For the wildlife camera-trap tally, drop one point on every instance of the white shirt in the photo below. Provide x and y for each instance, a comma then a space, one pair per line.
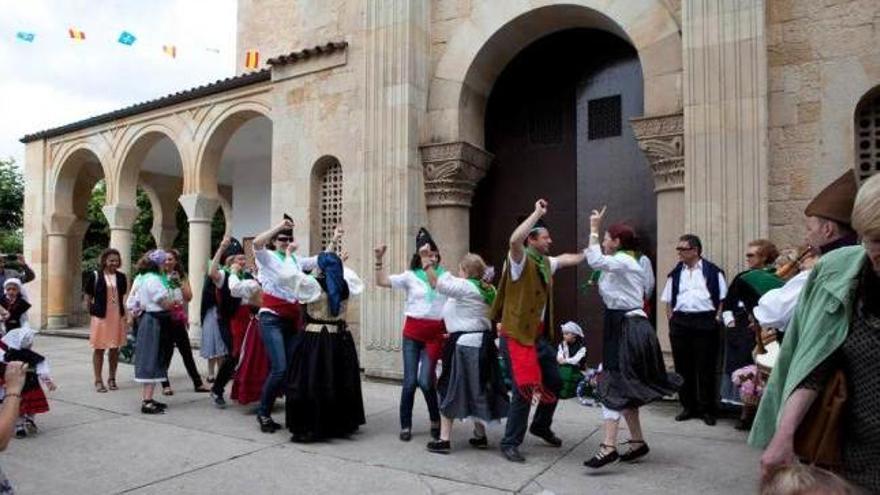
650, 281
148, 290
284, 279
622, 284
465, 309
564, 354
421, 301
693, 294
776, 307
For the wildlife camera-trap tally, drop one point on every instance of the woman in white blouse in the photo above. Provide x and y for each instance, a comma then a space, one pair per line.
423, 333
470, 385
633, 372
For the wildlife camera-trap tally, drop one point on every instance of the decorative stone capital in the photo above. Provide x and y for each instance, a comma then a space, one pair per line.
120, 217
164, 235
199, 208
78, 229
59, 224
661, 139
452, 171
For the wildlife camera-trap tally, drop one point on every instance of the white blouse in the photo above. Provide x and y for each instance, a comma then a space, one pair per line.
622, 282
465, 309
146, 293
564, 353
776, 307
285, 279
421, 301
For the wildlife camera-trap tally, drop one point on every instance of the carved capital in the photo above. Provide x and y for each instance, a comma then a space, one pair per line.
451, 172
120, 217
661, 139
199, 208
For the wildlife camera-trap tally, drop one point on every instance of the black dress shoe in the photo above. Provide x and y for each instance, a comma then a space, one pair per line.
602, 458
405, 435
439, 446
685, 415
709, 419
267, 424
634, 453
481, 443
512, 454
548, 436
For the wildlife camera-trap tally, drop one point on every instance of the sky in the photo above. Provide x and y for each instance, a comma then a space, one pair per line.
56, 80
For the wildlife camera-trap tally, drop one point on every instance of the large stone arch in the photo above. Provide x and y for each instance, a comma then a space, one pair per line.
81, 162
482, 46
135, 146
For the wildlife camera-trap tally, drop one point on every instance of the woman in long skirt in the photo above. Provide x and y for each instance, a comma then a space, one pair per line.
470, 386
633, 372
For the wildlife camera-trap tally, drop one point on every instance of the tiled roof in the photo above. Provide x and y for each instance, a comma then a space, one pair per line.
168, 100
300, 55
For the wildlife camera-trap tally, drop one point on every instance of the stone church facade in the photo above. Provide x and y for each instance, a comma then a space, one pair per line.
712, 117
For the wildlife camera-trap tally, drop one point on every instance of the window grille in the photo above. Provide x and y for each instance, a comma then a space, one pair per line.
330, 201
604, 117
868, 138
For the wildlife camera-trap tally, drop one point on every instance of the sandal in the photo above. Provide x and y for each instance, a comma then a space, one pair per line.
602, 458
100, 388
634, 453
167, 391
111, 384
201, 389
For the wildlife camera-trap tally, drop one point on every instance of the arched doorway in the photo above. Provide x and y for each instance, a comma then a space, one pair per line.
557, 123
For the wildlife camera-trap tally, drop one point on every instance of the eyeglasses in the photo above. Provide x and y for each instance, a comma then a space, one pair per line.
283, 238
751, 255
681, 249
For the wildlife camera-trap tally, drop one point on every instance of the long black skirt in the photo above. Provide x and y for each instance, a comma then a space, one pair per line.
637, 375
324, 385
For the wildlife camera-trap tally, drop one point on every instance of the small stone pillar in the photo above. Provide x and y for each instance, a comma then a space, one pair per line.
121, 219
452, 171
199, 211
58, 228
661, 139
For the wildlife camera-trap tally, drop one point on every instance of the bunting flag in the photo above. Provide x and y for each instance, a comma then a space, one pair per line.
76, 34
126, 38
213, 50
252, 59
170, 50
23, 36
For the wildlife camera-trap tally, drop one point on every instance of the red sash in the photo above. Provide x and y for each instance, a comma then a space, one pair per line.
526, 370
282, 307
429, 332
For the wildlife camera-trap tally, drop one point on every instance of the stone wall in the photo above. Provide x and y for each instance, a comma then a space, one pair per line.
823, 56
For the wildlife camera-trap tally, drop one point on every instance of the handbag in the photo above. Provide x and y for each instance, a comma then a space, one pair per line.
818, 438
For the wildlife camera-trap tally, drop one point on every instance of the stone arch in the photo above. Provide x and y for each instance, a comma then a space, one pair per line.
77, 170
216, 136
122, 188
867, 134
482, 46
325, 200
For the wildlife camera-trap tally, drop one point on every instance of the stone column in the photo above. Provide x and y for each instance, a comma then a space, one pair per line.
725, 114
121, 219
78, 311
199, 211
396, 80
452, 171
58, 228
661, 138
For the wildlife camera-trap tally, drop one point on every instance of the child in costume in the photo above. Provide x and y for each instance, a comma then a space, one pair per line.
17, 347
571, 356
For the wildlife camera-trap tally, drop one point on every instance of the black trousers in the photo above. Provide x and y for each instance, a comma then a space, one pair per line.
177, 336
695, 339
227, 368
518, 414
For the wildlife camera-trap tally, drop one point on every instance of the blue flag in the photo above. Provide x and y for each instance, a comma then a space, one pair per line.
127, 38
23, 36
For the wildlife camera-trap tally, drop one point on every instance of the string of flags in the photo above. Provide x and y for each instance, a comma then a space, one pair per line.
251, 60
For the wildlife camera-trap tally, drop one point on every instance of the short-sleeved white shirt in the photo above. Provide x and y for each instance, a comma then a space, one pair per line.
421, 301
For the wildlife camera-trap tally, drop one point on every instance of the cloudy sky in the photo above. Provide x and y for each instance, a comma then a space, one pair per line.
56, 80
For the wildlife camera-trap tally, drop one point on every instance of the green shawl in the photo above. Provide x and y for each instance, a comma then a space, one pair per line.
762, 280
817, 329
486, 290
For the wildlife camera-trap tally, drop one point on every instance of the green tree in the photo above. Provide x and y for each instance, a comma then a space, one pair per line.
11, 206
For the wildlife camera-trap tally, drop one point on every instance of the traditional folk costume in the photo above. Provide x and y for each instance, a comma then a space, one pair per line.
16, 309
107, 309
143, 300
17, 347
252, 366
323, 382
633, 373
471, 385
524, 306
572, 358
212, 345
423, 334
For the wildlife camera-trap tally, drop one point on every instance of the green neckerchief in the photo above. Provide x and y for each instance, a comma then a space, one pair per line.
424, 278
762, 280
594, 277
486, 290
541, 261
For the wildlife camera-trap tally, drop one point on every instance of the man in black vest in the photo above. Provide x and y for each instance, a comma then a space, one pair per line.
693, 294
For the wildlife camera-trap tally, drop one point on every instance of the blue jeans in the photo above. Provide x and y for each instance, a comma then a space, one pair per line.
280, 338
418, 371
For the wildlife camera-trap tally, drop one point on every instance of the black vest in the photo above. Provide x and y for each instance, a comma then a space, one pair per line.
710, 273
96, 288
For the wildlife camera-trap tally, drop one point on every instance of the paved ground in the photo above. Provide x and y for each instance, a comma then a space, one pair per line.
99, 443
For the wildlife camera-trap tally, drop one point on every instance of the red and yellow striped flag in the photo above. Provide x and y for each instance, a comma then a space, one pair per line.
252, 59
76, 34
170, 50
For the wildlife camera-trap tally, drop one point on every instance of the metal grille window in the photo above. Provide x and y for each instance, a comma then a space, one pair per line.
545, 121
330, 201
604, 117
868, 137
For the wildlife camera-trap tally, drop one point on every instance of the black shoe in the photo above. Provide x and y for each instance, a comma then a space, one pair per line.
302, 438
709, 419
20, 432
512, 454
548, 436
634, 453
405, 435
218, 401
160, 405
481, 443
685, 415
150, 407
267, 425
435, 432
602, 458
439, 446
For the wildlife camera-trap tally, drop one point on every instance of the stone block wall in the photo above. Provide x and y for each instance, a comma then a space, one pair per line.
823, 56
